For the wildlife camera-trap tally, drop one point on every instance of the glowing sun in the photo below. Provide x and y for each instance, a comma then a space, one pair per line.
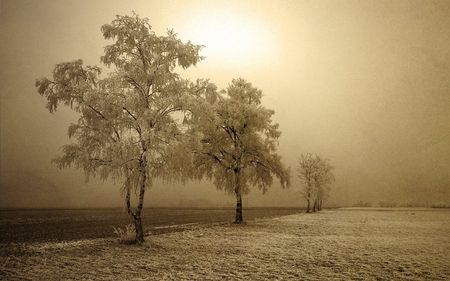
230, 35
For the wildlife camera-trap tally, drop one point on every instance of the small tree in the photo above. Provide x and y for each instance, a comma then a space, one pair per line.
126, 128
237, 143
306, 171
322, 180
317, 174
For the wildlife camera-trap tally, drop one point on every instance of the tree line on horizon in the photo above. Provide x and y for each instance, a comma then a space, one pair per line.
130, 127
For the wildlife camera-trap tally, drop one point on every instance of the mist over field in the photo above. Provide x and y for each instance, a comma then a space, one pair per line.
362, 83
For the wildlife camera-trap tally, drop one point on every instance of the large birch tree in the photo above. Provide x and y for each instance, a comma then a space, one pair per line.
238, 143
127, 130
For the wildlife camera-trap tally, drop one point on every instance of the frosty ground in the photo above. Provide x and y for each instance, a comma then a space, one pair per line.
345, 244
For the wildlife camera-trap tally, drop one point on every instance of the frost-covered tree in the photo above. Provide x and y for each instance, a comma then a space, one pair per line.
127, 130
237, 143
316, 174
306, 171
322, 180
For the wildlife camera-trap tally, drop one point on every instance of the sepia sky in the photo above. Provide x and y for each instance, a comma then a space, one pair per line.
363, 83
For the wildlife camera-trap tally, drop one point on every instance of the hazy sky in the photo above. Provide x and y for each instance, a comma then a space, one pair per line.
363, 83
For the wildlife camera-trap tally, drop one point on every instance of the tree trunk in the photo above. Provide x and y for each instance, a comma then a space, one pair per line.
139, 229
237, 190
315, 205
239, 218
308, 198
320, 205
137, 218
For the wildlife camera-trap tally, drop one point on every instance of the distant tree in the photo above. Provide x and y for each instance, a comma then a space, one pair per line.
316, 174
322, 180
127, 129
306, 172
237, 143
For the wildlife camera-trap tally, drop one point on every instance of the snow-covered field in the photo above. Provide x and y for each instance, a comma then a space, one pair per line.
345, 244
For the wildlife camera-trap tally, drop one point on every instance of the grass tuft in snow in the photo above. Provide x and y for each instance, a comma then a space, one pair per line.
126, 235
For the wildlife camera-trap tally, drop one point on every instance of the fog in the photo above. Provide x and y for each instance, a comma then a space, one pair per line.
362, 83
